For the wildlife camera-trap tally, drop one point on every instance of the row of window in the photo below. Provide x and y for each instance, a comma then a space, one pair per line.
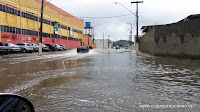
70, 38
75, 39
16, 12
8, 29
80, 40
29, 32
64, 37
64, 27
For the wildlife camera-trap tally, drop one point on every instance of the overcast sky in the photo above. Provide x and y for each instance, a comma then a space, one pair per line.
151, 12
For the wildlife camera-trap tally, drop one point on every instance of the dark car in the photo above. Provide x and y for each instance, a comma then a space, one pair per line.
90, 47
82, 49
51, 47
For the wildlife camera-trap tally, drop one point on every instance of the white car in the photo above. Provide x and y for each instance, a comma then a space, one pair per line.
35, 47
45, 47
25, 47
58, 47
64, 47
13, 47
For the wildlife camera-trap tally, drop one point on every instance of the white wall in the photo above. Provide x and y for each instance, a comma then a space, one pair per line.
99, 43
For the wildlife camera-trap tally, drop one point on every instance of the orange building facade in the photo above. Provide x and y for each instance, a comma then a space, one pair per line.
88, 41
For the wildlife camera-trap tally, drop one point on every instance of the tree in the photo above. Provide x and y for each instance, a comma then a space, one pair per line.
120, 45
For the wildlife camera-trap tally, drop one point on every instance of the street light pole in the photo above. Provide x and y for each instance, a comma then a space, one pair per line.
103, 40
125, 7
40, 38
130, 39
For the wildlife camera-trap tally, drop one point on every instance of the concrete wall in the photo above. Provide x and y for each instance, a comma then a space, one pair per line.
177, 40
99, 43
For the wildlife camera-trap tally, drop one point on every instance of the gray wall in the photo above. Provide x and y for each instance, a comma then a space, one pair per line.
178, 40
99, 43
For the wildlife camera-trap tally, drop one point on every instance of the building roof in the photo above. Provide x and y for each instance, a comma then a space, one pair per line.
88, 35
146, 28
190, 17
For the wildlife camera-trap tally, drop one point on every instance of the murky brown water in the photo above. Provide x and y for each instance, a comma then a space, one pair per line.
107, 80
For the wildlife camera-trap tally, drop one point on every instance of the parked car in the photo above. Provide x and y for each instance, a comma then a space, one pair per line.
58, 47
35, 47
13, 47
90, 47
82, 49
25, 47
51, 47
64, 47
4, 49
45, 47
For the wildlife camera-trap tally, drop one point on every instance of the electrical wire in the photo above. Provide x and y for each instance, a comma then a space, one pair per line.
106, 17
142, 18
47, 3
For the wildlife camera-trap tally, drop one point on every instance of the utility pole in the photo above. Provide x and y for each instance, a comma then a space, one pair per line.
40, 38
103, 40
137, 17
93, 35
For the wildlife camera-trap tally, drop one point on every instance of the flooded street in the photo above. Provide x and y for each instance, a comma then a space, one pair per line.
102, 81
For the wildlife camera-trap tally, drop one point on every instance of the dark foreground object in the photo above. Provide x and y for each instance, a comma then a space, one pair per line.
15, 103
82, 49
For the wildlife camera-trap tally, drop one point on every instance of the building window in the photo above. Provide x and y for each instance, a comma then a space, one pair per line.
3, 8
12, 11
23, 31
70, 38
25, 15
18, 30
13, 29
80, 40
15, 12
28, 16
2, 28
22, 13
7, 29
18, 13
8, 10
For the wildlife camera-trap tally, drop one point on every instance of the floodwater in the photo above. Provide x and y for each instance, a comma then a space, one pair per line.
102, 81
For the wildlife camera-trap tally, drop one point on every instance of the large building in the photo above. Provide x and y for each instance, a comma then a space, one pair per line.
20, 22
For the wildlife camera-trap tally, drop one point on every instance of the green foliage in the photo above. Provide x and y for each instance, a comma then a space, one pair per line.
120, 45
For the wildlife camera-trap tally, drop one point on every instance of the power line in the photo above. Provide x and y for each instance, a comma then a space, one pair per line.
106, 17
47, 3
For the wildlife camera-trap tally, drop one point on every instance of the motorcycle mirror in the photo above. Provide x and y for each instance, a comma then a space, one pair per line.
15, 103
